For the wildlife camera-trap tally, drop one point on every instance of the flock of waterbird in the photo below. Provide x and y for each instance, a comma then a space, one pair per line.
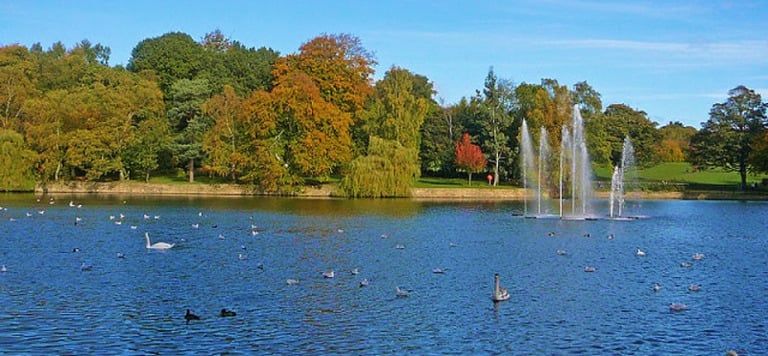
399, 292
118, 220
164, 246
639, 252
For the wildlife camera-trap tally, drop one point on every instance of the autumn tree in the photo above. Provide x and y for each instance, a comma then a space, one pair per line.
16, 84
469, 157
225, 156
727, 138
675, 142
319, 93
318, 139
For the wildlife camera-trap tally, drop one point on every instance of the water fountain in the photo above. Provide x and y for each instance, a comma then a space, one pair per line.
527, 164
618, 179
535, 172
573, 153
575, 172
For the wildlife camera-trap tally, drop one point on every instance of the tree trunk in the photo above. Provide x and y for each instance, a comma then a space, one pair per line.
496, 169
191, 168
469, 174
743, 174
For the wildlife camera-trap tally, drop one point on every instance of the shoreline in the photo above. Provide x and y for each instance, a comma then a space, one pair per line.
326, 192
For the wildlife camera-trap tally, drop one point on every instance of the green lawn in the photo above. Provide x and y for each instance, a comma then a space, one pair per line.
681, 173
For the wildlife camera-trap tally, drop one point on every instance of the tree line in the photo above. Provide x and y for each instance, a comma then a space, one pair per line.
274, 122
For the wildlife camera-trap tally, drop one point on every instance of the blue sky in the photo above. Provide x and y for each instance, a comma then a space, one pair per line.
671, 59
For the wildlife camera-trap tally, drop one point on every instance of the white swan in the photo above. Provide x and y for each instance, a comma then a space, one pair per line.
499, 293
157, 245
640, 252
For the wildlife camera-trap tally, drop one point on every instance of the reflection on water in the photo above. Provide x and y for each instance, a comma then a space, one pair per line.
136, 304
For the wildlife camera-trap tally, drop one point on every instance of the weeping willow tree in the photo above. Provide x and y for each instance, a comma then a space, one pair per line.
16, 161
388, 170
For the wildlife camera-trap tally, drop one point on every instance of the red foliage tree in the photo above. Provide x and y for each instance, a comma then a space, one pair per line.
469, 157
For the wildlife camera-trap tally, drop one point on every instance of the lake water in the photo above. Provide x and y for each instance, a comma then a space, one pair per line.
136, 304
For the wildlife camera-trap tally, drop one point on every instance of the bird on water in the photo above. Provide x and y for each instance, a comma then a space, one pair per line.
189, 316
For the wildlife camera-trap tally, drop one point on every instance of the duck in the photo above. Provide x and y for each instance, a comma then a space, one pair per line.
562, 252
640, 252
399, 246
656, 287
291, 281
589, 269
364, 283
85, 267
611, 236
355, 271
189, 316
686, 264
438, 270
329, 274
120, 255
157, 245
698, 256
3, 269
225, 313
694, 287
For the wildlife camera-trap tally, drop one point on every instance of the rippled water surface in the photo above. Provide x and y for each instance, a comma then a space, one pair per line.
136, 304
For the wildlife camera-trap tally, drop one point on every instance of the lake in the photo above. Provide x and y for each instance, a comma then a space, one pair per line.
241, 252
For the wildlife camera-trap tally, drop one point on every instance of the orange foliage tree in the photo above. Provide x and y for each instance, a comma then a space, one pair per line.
469, 157
319, 93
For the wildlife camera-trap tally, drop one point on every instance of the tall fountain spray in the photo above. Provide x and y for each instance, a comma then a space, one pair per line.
543, 159
619, 177
574, 153
527, 164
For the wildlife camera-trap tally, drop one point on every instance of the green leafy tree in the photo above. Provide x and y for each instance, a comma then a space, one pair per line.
726, 139
188, 122
497, 103
153, 136
437, 144
386, 171
591, 108
758, 158
623, 121
17, 161
229, 62
469, 157
173, 56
